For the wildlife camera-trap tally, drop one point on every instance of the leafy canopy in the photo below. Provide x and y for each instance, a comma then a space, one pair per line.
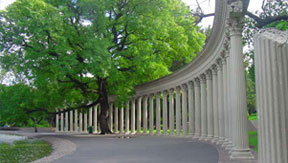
69, 45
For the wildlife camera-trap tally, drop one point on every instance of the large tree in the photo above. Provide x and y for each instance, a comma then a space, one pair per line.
86, 50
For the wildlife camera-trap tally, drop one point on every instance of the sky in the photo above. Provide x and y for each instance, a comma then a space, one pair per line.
206, 5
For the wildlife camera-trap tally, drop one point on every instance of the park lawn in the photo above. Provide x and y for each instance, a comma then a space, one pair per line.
24, 151
253, 140
253, 116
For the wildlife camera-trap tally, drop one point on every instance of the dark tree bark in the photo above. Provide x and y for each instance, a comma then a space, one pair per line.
104, 106
34, 124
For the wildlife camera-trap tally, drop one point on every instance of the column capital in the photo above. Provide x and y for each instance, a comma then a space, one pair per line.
235, 18
190, 84
203, 78
171, 90
220, 63
197, 82
224, 57
158, 94
184, 87
144, 97
151, 95
139, 98
178, 88
165, 92
209, 74
214, 69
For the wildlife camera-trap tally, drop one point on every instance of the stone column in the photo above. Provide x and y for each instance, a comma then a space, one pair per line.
116, 120
220, 102
145, 116
184, 109
203, 107
111, 116
133, 116
238, 97
215, 103
178, 110
225, 98
85, 122
80, 121
197, 108
210, 116
151, 116
171, 111
66, 121
139, 115
90, 116
76, 128
165, 119
191, 103
57, 121
71, 121
127, 118
96, 119
158, 113
121, 120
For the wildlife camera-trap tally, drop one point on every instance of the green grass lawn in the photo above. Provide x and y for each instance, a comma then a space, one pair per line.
24, 151
253, 140
253, 116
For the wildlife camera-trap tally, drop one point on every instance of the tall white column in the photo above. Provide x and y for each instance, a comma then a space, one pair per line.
197, 108
76, 128
90, 116
220, 103
178, 111
191, 102
66, 121
57, 121
145, 115
158, 113
165, 116
238, 97
111, 116
215, 103
203, 107
71, 121
184, 109
85, 122
80, 121
116, 120
225, 98
127, 118
171, 111
96, 119
210, 116
133, 116
151, 114
121, 120
139, 114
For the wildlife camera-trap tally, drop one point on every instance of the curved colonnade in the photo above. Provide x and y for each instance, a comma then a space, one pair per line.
205, 100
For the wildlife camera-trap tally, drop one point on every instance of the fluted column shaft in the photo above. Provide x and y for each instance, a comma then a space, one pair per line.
203, 106
184, 109
165, 113
111, 116
197, 109
210, 116
139, 114
90, 117
158, 113
127, 118
76, 128
171, 111
178, 111
57, 121
215, 103
151, 114
238, 97
145, 115
66, 121
80, 121
133, 116
71, 121
220, 102
85, 122
225, 100
121, 120
116, 119
191, 102
96, 119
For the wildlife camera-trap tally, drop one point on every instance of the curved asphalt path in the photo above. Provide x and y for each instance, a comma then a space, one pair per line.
140, 149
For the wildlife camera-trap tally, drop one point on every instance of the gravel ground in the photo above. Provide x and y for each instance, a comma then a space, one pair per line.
7, 138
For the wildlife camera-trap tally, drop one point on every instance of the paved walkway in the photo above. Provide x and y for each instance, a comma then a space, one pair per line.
139, 149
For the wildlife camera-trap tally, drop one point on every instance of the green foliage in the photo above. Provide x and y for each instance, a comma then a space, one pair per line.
281, 25
68, 46
24, 151
253, 140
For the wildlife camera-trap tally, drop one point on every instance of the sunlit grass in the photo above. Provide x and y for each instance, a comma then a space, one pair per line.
24, 151
253, 140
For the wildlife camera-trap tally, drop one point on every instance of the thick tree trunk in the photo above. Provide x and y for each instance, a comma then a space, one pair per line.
104, 105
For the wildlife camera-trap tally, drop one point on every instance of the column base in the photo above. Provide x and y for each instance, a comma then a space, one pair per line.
214, 139
237, 154
196, 136
209, 138
220, 141
203, 138
229, 147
